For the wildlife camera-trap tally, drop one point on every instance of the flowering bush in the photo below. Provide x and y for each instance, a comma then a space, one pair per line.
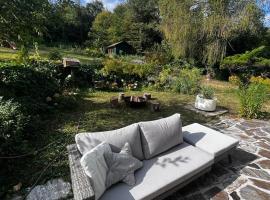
234, 80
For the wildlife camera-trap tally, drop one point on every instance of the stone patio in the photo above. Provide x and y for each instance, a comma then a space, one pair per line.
247, 177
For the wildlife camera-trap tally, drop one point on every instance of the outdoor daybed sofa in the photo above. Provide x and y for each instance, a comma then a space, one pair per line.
172, 157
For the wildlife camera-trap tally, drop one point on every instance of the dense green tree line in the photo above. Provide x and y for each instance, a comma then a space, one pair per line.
203, 30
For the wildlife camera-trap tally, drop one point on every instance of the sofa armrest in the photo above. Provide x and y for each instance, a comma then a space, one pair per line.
81, 183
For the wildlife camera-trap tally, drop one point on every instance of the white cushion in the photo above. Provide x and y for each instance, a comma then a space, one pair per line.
94, 165
116, 138
160, 135
208, 140
162, 173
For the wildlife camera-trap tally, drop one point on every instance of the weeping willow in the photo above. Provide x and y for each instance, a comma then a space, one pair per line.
204, 28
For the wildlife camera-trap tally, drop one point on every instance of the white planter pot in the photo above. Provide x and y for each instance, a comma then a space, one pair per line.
205, 104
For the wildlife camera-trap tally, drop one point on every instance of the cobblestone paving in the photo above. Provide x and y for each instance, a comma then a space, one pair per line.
247, 177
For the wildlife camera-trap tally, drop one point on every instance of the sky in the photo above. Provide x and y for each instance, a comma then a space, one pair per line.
111, 4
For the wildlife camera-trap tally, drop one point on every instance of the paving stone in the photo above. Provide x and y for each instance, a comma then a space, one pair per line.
253, 165
264, 153
54, 189
256, 173
236, 184
252, 193
221, 196
264, 164
261, 184
267, 130
263, 145
243, 157
249, 124
251, 148
256, 131
235, 196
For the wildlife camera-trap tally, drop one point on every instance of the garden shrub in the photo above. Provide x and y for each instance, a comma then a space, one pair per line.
13, 123
95, 53
261, 80
207, 92
235, 80
55, 55
164, 80
188, 81
252, 98
28, 85
126, 72
252, 62
159, 54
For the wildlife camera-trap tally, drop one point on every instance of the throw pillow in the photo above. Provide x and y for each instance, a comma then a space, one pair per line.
121, 166
95, 167
161, 135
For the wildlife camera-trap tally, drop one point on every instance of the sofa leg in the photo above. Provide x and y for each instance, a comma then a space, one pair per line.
230, 158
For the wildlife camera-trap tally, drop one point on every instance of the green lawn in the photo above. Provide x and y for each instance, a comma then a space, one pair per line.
9, 54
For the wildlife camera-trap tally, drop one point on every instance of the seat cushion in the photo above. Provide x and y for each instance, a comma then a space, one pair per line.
116, 138
208, 140
160, 135
162, 173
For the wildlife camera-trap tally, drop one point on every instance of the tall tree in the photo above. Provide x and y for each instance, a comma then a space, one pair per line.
100, 31
22, 21
207, 26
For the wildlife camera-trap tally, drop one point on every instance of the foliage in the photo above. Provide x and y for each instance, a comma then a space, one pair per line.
135, 21
235, 80
164, 80
259, 79
259, 57
54, 55
188, 81
202, 29
159, 54
26, 23
28, 85
94, 53
126, 68
207, 92
252, 98
12, 125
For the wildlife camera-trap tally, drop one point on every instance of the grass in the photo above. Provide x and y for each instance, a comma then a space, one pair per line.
93, 113
9, 54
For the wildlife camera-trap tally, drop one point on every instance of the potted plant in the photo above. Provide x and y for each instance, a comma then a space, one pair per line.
205, 100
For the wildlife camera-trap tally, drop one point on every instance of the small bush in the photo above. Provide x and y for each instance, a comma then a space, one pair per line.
207, 92
126, 72
95, 53
188, 81
259, 79
235, 80
13, 123
55, 55
164, 80
252, 98
28, 85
